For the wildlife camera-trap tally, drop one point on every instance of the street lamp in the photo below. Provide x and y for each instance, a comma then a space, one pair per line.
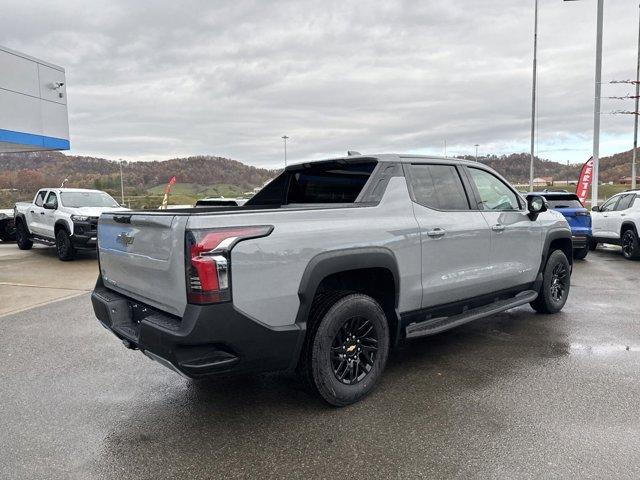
285, 138
533, 95
596, 103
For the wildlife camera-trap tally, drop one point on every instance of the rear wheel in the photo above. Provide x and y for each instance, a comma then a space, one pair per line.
555, 284
64, 247
348, 349
581, 253
630, 245
22, 237
7, 231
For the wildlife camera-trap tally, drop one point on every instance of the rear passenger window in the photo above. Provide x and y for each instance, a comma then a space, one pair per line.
625, 202
40, 198
439, 187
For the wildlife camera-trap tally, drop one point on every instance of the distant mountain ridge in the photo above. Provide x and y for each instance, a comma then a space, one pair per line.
26, 172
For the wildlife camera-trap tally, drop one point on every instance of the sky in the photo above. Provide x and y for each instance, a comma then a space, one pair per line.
164, 79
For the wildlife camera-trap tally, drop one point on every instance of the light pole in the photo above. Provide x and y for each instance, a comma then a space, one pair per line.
476, 145
635, 118
121, 183
285, 138
533, 95
596, 103
596, 106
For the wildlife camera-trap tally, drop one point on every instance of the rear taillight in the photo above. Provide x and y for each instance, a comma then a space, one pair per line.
583, 214
208, 262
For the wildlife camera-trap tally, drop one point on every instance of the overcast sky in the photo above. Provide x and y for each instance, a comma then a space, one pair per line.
156, 80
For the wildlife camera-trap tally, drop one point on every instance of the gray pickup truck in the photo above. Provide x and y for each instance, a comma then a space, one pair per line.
328, 267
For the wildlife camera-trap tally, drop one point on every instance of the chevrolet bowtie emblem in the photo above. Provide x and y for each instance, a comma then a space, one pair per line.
125, 239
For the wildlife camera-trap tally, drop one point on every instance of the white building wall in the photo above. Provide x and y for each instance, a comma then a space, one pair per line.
33, 104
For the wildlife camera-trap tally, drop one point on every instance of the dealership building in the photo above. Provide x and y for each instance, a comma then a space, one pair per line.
33, 104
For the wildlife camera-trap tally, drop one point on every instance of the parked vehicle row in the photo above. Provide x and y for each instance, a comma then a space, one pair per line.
328, 267
66, 218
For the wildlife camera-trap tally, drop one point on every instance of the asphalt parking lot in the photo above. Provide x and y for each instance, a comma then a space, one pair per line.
36, 277
518, 395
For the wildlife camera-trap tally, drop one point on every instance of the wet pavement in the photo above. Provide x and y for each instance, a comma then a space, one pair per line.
518, 395
36, 277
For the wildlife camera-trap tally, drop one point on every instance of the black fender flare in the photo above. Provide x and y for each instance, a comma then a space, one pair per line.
20, 217
57, 225
552, 235
336, 261
629, 224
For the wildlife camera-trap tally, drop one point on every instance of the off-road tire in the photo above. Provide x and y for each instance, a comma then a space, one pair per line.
548, 300
630, 245
23, 238
593, 245
64, 247
330, 316
7, 231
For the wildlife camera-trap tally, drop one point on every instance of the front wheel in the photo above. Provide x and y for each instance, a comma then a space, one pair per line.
555, 284
348, 350
630, 245
22, 237
64, 247
592, 245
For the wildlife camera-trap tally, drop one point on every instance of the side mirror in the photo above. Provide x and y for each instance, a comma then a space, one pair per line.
595, 208
49, 206
536, 204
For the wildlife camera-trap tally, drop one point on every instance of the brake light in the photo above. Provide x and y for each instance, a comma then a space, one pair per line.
208, 262
583, 214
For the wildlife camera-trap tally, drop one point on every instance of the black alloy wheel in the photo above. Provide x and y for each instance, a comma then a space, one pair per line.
354, 350
559, 282
22, 237
630, 246
64, 247
347, 347
556, 282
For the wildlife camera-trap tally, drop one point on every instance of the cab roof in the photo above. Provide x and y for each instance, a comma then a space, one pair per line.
386, 157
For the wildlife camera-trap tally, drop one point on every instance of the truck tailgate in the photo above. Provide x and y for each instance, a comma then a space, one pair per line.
142, 256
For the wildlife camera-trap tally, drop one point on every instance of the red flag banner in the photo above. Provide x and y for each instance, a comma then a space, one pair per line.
167, 189
584, 181
172, 181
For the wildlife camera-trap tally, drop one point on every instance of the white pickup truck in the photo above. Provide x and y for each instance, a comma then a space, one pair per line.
64, 217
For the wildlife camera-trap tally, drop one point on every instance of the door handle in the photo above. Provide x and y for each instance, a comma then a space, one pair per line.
623, 214
436, 233
498, 228
32, 211
41, 213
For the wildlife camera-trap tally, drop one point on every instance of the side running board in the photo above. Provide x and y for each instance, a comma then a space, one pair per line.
440, 324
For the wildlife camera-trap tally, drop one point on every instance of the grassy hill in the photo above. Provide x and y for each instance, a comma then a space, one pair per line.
21, 174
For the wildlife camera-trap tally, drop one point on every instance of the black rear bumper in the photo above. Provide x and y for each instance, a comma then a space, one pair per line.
580, 241
207, 340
